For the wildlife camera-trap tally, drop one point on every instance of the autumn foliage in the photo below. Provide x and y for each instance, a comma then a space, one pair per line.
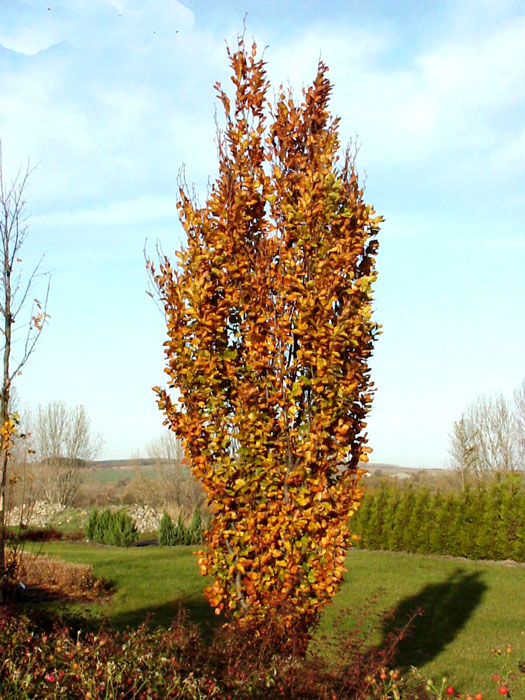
268, 313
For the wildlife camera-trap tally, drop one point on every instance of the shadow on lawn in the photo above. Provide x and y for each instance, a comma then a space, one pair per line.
196, 607
446, 607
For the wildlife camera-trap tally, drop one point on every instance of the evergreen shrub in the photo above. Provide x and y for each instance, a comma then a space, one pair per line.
195, 528
116, 528
171, 535
486, 521
166, 531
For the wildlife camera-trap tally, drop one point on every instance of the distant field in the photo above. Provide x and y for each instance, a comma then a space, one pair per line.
109, 476
470, 607
111, 472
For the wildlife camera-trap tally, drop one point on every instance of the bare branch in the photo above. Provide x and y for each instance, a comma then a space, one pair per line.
488, 438
35, 329
13, 232
519, 404
63, 441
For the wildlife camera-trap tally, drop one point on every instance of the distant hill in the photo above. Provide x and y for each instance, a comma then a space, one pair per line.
382, 465
120, 463
378, 468
148, 462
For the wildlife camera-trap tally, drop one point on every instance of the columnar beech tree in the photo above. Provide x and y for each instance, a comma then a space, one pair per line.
269, 337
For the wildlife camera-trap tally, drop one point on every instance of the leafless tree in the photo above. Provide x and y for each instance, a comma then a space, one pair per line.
485, 439
464, 452
21, 492
166, 448
21, 448
498, 434
16, 290
519, 404
63, 442
179, 487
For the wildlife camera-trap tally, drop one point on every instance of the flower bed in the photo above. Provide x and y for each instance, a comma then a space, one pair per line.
44, 658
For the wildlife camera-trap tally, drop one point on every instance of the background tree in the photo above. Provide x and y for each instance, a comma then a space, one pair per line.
269, 336
489, 437
16, 291
63, 442
519, 404
518, 549
497, 430
465, 452
405, 506
388, 534
21, 449
178, 486
21, 491
416, 534
378, 511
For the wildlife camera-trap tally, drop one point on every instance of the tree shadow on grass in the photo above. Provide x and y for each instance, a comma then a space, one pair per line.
446, 608
195, 607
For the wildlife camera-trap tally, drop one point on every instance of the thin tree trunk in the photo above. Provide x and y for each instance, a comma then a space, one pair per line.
4, 412
12, 232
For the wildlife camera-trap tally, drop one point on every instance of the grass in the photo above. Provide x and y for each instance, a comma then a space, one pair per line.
470, 607
112, 476
148, 581
70, 520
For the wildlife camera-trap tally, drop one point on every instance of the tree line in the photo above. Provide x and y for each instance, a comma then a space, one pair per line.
482, 521
489, 437
55, 440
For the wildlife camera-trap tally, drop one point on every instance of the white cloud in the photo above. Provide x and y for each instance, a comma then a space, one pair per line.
27, 29
30, 27
448, 101
114, 112
344, 51
480, 78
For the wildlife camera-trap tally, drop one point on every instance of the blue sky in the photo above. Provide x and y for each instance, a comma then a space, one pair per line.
109, 98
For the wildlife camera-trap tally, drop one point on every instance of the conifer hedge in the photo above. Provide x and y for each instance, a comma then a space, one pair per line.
486, 521
171, 534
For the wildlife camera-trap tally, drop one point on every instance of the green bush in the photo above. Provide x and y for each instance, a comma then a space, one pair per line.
102, 526
166, 531
195, 528
171, 534
116, 528
181, 534
486, 522
91, 523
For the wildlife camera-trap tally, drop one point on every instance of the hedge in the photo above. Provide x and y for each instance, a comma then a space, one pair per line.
171, 534
482, 522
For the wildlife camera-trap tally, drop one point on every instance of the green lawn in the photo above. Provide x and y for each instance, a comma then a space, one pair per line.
147, 581
470, 607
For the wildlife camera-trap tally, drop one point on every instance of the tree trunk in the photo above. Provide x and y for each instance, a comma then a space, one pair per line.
4, 413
